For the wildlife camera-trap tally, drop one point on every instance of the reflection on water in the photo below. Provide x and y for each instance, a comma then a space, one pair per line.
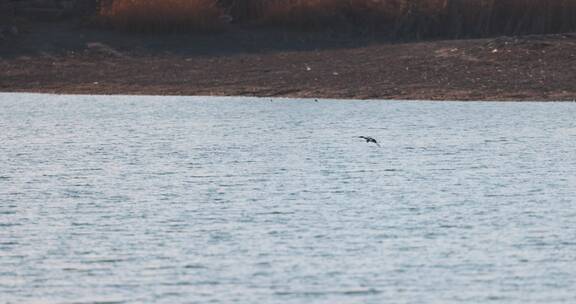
221, 200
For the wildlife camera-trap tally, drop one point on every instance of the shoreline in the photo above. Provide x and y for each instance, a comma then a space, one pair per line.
63, 59
280, 98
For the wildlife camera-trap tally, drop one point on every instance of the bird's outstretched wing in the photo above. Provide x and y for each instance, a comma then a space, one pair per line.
370, 140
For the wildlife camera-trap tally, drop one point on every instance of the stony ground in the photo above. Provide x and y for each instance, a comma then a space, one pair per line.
64, 58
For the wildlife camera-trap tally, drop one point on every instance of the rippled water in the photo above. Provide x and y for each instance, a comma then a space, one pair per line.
223, 200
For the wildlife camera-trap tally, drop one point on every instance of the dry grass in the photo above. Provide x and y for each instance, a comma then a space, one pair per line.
393, 18
162, 15
491, 17
336, 14
425, 18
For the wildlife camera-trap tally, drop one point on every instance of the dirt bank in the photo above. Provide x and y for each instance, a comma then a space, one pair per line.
62, 58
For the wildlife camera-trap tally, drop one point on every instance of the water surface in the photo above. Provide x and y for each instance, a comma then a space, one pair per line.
238, 200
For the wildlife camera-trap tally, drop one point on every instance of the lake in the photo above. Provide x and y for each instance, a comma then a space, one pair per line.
244, 200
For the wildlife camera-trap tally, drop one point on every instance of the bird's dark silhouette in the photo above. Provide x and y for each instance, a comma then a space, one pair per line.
369, 139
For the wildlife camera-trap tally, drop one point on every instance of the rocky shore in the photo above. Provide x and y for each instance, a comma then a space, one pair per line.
64, 58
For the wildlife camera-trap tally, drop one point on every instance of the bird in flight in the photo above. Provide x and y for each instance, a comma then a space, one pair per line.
370, 140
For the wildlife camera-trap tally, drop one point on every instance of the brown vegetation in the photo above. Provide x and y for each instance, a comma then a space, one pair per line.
162, 15
315, 14
426, 18
392, 18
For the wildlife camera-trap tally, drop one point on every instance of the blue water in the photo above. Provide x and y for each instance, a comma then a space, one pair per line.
229, 200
